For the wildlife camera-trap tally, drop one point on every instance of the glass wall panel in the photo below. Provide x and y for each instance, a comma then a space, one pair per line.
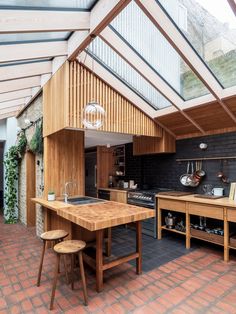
69, 4
136, 28
123, 71
210, 27
32, 37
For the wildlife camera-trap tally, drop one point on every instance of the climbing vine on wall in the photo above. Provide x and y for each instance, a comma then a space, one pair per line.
11, 162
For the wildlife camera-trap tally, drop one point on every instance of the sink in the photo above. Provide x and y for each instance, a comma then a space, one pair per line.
83, 200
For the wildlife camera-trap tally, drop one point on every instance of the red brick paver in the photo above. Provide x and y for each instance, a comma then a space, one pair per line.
199, 282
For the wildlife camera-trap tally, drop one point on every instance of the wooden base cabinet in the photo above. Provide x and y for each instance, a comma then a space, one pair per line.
221, 213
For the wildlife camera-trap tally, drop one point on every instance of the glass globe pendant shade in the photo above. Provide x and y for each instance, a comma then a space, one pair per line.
93, 115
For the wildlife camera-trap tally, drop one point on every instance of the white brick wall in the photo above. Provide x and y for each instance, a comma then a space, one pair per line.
33, 112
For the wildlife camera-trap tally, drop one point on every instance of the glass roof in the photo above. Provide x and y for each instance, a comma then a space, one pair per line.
123, 71
210, 27
19, 38
49, 4
141, 34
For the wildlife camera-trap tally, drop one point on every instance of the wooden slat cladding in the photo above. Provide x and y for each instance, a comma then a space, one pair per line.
151, 145
121, 115
64, 162
56, 101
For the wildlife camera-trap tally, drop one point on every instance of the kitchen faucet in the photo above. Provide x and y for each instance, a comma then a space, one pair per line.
67, 194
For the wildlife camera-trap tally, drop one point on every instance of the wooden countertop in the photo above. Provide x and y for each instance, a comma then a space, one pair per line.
225, 202
114, 189
53, 205
100, 215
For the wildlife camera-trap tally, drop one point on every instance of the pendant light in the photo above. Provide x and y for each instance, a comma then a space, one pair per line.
93, 113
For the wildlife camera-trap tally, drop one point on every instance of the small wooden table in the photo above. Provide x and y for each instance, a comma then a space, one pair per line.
100, 216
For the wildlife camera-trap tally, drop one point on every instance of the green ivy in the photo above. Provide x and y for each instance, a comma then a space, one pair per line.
11, 162
36, 143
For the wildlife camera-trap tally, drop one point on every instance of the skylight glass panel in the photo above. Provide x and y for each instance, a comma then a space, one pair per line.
211, 30
123, 71
69, 4
32, 37
136, 28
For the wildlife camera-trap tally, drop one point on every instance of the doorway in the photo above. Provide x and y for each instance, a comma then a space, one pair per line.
91, 173
1, 175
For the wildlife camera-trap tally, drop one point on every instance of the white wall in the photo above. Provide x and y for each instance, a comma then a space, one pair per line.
11, 132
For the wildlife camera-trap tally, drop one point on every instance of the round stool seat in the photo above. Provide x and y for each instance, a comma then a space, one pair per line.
69, 246
54, 235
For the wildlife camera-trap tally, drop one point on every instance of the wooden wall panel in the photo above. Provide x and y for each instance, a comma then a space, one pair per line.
56, 101
104, 165
177, 123
231, 104
64, 161
121, 115
30, 188
143, 145
211, 117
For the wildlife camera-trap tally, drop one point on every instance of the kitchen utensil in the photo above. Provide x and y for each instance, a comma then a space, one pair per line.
192, 179
207, 189
199, 172
126, 185
218, 191
183, 178
170, 221
221, 174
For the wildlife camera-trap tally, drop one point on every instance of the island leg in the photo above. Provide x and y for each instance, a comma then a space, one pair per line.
139, 247
99, 260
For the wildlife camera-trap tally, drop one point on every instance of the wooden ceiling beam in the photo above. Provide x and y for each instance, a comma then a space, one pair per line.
100, 16
30, 21
24, 70
17, 52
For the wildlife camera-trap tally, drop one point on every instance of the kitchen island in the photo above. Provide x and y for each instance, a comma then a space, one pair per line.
97, 217
221, 209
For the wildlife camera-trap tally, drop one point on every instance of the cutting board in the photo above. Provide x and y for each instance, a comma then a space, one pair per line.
174, 193
212, 197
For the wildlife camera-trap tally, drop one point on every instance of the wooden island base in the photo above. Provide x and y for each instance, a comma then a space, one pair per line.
97, 218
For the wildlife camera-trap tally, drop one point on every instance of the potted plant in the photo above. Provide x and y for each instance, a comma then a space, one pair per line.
51, 196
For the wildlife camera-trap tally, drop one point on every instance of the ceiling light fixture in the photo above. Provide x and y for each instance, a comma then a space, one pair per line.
93, 113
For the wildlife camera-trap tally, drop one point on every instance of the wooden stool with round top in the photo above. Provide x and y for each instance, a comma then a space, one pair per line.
71, 247
52, 236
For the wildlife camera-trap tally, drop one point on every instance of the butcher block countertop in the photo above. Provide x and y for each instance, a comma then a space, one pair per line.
100, 215
223, 202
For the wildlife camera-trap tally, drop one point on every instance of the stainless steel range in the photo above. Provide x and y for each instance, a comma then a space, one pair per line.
146, 198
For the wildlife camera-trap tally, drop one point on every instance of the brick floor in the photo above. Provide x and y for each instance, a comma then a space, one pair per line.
197, 282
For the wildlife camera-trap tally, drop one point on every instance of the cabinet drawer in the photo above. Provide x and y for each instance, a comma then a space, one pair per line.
231, 214
206, 210
178, 206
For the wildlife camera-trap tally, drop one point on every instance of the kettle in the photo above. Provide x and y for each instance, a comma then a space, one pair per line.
170, 221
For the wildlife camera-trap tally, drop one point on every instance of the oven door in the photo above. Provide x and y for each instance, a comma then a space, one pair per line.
148, 225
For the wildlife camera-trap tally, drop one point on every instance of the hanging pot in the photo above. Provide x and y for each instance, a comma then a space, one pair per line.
184, 177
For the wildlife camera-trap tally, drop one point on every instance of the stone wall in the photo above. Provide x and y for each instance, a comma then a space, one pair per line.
33, 112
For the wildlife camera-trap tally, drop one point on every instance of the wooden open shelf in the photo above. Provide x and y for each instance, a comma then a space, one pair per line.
173, 230
209, 237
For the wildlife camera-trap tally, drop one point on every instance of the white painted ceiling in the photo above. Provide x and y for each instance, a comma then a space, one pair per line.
94, 138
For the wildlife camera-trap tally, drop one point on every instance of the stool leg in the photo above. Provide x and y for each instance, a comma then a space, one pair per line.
55, 281
64, 262
81, 265
72, 271
41, 263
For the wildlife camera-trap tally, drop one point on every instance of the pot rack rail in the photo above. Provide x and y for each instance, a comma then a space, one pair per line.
205, 158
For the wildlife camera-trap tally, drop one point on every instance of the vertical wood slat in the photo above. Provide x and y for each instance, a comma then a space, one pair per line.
121, 115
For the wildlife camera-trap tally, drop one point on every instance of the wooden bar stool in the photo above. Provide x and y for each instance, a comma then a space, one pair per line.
70, 247
51, 236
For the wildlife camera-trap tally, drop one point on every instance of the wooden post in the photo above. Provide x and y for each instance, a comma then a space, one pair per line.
99, 260
139, 247
188, 235
226, 236
159, 218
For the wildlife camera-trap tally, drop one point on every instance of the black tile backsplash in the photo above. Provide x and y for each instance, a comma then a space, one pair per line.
162, 170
